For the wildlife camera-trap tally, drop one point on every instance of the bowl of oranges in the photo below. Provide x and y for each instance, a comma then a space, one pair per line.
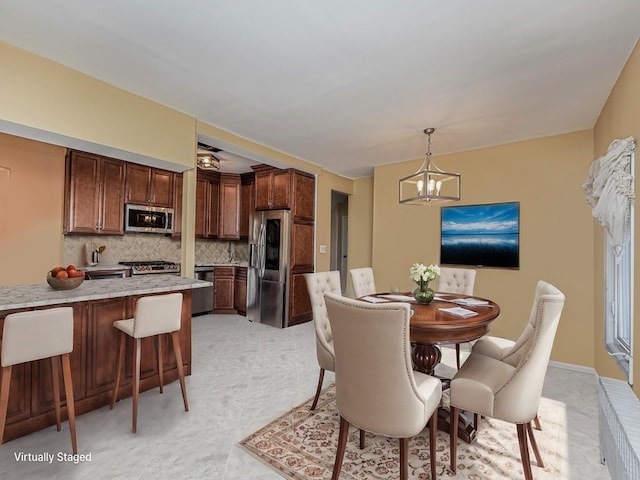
60, 278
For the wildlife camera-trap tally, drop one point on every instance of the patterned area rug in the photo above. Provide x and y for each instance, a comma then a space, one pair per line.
301, 445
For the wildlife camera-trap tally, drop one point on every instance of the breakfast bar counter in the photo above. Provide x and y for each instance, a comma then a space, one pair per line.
42, 295
96, 305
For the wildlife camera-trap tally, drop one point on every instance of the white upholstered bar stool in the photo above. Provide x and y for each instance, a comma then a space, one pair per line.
362, 281
36, 335
155, 316
456, 280
318, 284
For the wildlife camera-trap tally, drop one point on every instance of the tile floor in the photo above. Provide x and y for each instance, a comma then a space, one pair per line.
244, 375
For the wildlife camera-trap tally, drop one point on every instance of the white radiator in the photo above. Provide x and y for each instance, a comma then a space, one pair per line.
619, 429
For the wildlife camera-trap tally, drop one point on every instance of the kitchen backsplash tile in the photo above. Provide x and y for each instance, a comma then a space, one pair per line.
144, 246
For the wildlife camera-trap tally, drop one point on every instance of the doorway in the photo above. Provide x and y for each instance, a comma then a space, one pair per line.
339, 235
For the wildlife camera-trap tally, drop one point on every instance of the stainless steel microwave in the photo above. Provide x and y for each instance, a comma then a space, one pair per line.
144, 218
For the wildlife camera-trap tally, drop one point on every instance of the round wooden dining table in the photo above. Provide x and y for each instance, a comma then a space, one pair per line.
431, 326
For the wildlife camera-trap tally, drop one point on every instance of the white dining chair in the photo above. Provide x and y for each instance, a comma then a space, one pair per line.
362, 281
318, 284
377, 389
510, 389
460, 281
509, 350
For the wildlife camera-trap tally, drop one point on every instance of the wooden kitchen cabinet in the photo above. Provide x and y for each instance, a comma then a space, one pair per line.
213, 193
207, 200
285, 189
247, 202
272, 190
102, 339
149, 186
201, 203
240, 291
303, 200
177, 205
94, 194
223, 289
229, 207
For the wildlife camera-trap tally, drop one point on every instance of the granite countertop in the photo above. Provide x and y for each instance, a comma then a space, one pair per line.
28, 296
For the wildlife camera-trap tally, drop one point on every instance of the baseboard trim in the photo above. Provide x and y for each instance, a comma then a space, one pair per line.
573, 368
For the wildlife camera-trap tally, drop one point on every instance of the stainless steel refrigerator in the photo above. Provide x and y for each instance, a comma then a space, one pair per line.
268, 272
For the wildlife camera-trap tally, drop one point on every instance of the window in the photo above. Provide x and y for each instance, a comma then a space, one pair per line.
609, 190
619, 297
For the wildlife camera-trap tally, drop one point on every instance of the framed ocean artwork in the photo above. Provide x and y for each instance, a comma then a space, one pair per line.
481, 235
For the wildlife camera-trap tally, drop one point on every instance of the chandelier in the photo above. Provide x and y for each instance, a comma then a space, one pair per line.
205, 158
429, 185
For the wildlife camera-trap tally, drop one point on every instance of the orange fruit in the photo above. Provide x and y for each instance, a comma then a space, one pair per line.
55, 271
62, 274
71, 267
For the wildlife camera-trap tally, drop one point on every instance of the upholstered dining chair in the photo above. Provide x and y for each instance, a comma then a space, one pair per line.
155, 315
508, 350
510, 389
37, 335
318, 284
456, 280
376, 387
362, 281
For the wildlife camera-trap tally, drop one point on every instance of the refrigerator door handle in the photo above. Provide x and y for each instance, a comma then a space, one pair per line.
261, 248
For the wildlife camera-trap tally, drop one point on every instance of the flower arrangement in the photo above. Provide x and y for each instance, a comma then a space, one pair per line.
424, 275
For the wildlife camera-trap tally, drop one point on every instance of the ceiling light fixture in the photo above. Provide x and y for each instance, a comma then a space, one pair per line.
207, 161
429, 185
206, 158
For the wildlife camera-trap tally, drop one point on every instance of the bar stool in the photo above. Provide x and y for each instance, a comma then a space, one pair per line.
35, 335
155, 315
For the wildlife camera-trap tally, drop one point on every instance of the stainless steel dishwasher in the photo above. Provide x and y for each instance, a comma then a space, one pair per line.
202, 298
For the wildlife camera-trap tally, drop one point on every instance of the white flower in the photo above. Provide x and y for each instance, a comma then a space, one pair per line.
420, 274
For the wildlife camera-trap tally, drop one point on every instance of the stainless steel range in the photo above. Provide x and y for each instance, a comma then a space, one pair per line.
152, 266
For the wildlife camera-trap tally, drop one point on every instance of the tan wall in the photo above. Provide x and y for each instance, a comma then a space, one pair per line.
326, 183
556, 239
619, 118
31, 206
46, 101
44, 96
360, 227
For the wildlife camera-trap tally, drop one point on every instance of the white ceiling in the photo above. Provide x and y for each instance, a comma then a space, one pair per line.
348, 84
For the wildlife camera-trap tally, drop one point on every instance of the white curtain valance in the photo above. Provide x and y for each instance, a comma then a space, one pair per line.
609, 190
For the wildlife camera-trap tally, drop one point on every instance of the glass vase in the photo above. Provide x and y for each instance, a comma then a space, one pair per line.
423, 294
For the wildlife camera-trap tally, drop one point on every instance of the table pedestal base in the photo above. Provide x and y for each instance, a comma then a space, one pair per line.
466, 430
425, 359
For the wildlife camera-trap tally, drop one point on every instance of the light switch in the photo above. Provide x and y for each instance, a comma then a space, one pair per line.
323, 249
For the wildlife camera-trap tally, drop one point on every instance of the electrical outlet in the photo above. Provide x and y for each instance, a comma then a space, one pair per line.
323, 249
